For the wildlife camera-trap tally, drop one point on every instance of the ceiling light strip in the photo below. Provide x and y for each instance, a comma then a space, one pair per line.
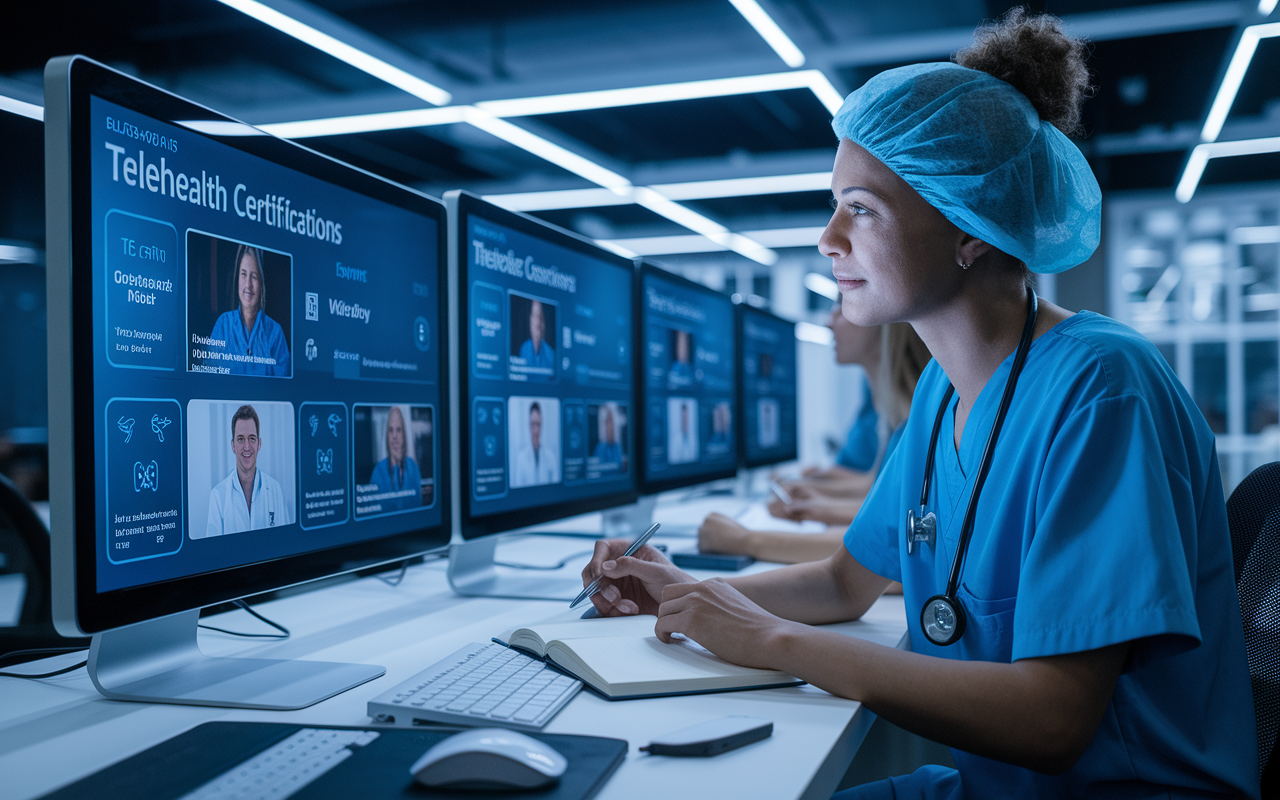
353, 55
657, 93
682, 215
1202, 153
547, 150
817, 334
822, 285
21, 108
367, 123
812, 79
1234, 76
773, 35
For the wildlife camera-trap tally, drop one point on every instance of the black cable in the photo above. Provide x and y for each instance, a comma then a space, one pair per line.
561, 565
45, 651
396, 581
284, 632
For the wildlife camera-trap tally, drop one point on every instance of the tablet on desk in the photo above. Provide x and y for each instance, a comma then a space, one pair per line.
723, 562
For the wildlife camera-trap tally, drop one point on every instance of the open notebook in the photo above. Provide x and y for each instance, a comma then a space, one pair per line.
620, 658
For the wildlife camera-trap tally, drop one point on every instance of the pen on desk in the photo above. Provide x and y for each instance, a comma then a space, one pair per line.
594, 586
779, 492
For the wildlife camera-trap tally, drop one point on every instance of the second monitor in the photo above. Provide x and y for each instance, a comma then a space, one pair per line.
545, 381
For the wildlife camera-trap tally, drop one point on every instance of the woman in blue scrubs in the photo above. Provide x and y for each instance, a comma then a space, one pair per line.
1102, 653
249, 333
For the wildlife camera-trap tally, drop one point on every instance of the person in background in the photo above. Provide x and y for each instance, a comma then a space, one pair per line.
893, 357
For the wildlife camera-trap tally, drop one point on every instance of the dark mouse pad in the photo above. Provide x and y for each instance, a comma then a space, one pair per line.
380, 770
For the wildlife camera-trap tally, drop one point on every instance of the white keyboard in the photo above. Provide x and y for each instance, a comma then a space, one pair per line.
481, 684
279, 771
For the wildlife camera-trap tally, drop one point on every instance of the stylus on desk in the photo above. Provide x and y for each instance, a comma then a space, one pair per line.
594, 587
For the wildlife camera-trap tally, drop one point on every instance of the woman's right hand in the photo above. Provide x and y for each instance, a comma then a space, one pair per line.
630, 585
719, 534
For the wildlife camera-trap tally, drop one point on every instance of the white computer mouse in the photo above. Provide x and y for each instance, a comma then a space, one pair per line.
489, 758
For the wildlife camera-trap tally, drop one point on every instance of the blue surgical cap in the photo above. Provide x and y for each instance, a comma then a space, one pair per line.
975, 148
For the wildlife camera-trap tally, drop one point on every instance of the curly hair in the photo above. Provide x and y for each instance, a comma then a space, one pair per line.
1037, 57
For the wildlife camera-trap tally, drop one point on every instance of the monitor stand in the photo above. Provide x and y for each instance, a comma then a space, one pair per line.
473, 573
159, 661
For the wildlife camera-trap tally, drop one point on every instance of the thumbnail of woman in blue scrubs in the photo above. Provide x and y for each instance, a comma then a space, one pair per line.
397, 473
1093, 642
247, 330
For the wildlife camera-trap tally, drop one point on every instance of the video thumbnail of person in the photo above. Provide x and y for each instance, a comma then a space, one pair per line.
241, 466
768, 427
680, 345
239, 307
533, 334
682, 430
606, 438
721, 429
393, 458
533, 441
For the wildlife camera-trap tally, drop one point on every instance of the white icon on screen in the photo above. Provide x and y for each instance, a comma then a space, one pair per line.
312, 350
313, 306
324, 461
314, 422
146, 476
158, 424
126, 425
334, 419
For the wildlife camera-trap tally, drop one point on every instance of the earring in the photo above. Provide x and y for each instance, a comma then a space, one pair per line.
965, 265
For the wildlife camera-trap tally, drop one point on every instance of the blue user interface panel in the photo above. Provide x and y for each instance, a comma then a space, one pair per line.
266, 375
549, 371
768, 388
688, 362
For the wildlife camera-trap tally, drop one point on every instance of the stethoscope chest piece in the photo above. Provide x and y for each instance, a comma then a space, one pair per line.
942, 620
920, 528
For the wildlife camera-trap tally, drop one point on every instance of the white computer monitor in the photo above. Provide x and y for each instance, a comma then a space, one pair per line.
247, 381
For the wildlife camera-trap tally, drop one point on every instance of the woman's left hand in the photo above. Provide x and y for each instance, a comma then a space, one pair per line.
721, 619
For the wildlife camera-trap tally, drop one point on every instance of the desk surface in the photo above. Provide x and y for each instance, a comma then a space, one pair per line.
55, 731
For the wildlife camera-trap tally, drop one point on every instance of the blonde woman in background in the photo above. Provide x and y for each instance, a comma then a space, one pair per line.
893, 357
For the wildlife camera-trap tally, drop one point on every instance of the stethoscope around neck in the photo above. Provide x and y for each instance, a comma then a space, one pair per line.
942, 617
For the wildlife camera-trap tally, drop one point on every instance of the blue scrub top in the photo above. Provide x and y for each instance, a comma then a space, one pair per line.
395, 479
862, 445
264, 341
545, 357
1102, 521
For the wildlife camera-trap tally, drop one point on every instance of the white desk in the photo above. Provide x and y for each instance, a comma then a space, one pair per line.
59, 730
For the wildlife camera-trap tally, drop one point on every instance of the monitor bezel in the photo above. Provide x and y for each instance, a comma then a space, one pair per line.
730, 470
747, 462
462, 205
79, 607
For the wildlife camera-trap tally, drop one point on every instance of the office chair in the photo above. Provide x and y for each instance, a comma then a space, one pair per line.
1253, 513
24, 543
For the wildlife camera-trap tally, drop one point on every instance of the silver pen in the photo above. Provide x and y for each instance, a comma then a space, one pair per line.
594, 587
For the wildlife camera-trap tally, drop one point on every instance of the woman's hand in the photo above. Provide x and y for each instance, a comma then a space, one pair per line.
807, 504
720, 534
721, 619
631, 585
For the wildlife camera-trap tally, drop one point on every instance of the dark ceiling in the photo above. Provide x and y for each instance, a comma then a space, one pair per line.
1156, 66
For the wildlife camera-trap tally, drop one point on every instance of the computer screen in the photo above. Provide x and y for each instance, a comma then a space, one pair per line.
247, 361
768, 345
688, 368
545, 374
